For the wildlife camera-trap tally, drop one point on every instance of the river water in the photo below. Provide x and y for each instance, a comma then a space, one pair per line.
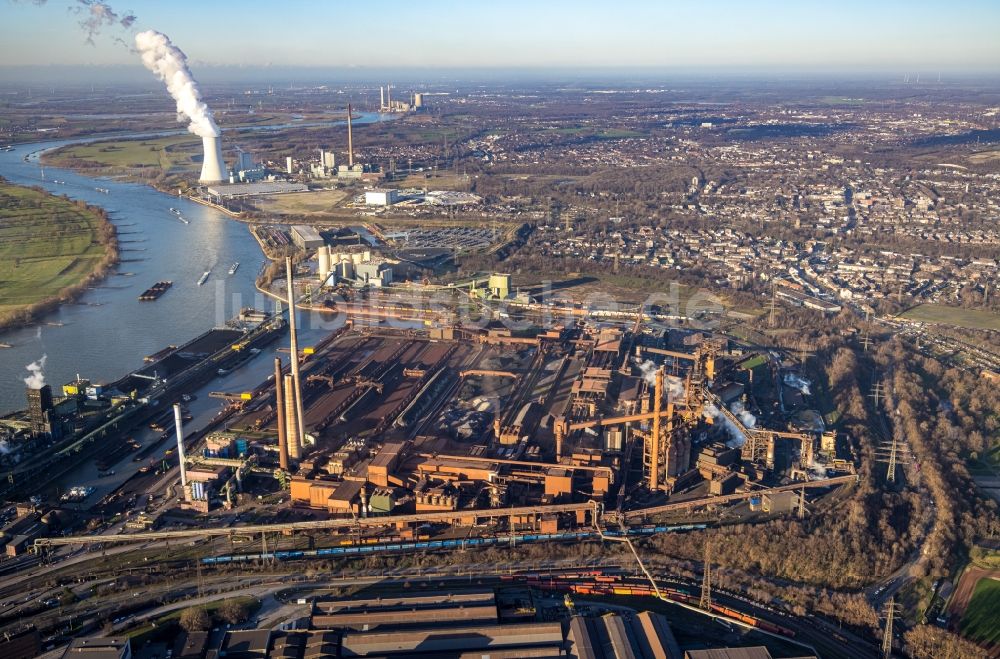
107, 332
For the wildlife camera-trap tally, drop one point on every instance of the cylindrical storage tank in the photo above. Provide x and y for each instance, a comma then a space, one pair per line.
368, 255
346, 270
323, 256
356, 258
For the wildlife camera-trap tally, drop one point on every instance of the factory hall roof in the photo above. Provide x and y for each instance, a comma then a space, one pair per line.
263, 187
758, 652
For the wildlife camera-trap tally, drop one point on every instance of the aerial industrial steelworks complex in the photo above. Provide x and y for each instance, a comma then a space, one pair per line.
381, 441
384, 434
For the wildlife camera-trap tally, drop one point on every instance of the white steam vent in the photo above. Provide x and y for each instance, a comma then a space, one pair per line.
169, 64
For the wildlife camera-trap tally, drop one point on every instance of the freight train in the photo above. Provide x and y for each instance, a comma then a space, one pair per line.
601, 583
369, 546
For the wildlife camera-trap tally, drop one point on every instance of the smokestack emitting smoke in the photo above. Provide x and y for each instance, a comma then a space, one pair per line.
169, 64
675, 385
37, 378
179, 425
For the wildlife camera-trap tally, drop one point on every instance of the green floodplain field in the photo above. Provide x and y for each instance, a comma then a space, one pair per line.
48, 244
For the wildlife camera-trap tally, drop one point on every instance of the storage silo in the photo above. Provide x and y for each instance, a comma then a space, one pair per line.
323, 256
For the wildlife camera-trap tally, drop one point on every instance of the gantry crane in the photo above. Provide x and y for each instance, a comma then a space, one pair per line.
661, 454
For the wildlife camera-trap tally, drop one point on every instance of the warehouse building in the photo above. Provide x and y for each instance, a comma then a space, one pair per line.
381, 197
235, 190
306, 237
444, 624
95, 647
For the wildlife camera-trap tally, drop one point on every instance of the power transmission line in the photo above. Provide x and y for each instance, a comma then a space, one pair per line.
890, 611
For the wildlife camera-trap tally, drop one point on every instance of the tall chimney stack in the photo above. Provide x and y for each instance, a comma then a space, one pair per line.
381, 98
179, 426
654, 450
212, 168
298, 440
279, 403
350, 139
291, 431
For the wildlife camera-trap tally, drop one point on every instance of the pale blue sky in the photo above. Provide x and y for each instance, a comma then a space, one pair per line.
793, 34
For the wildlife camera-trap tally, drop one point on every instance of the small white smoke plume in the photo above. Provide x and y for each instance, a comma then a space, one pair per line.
675, 387
736, 437
96, 15
648, 371
797, 382
37, 378
674, 384
169, 64
818, 469
749, 420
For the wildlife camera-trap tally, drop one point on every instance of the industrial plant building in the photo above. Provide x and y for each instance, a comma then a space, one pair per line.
354, 266
236, 190
381, 197
306, 237
473, 623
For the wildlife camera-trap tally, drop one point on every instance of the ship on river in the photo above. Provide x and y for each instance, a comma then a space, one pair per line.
155, 291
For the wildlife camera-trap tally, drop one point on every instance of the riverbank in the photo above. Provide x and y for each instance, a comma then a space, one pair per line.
52, 249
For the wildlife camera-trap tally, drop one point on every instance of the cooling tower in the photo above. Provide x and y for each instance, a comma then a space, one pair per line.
212, 170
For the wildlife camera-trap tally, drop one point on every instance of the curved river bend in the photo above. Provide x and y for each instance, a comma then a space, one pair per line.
107, 332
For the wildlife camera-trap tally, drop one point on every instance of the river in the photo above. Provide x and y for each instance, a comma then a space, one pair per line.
107, 331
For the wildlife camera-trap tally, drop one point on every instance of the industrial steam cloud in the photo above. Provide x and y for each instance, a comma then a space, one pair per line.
169, 64
36, 370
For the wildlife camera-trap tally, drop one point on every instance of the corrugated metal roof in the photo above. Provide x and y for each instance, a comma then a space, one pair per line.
654, 636
580, 644
399, 617
455, 639
620, 645
758, 652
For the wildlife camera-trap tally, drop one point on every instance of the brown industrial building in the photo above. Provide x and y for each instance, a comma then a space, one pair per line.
404, 423
456, 625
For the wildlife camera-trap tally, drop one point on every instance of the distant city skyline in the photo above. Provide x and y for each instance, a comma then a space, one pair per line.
927, 36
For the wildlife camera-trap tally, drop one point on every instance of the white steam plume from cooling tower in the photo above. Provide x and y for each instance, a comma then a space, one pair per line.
169, 64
